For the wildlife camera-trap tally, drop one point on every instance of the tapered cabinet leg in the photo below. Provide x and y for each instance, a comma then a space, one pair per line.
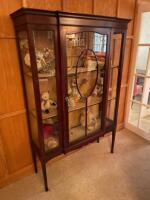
97, 140
113, 140
44, 175
34, 160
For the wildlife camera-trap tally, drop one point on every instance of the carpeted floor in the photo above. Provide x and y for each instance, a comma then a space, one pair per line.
92, 173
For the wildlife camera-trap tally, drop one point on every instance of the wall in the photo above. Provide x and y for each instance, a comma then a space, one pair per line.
15, 157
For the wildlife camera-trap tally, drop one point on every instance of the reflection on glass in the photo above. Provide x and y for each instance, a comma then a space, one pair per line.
45, 58
146, 94
93, 118
24, 48
138, 88
145, 119
44, 49
116, 49
134, 113
77, 124
113, 78
145, 30
78, 43
85, 69
141, 59
111, 104
148, 101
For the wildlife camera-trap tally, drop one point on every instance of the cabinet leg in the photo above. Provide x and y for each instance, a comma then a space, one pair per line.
97, 140
34, 161
44, 175
113, 140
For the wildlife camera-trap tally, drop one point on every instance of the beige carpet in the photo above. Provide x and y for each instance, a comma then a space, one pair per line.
92, 173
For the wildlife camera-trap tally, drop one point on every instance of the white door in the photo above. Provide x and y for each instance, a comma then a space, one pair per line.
138, 106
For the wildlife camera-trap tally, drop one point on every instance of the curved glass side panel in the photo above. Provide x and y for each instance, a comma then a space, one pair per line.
46, 68
25, 57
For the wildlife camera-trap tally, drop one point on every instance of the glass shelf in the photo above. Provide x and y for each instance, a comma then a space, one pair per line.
72, 70
51, 143
95, 100
78, 132
53, 113
46, 75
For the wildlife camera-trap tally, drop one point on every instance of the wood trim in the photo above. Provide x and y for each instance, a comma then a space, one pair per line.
7, 37
12, 114
62, 4
130, 37
117, 8
124, 85
10, 178
24, 3
146, 44
120, 126
93, 4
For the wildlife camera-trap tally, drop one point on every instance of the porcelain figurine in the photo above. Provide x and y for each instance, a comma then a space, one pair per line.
73, 93
27, 60
51, 142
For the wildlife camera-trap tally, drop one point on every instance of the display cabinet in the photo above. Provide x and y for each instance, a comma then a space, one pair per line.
71, 66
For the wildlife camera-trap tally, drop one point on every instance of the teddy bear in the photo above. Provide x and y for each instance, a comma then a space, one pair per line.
98, 88
47, 103
73, 93
91, 121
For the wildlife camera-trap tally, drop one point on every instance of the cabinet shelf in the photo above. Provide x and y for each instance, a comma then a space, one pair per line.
53, 113
81, 105
46, 75
72, 70
78, 132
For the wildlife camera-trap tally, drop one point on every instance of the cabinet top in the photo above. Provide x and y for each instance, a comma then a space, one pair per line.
36, 16
58, 13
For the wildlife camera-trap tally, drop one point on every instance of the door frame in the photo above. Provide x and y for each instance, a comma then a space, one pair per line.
141, 6
76, 29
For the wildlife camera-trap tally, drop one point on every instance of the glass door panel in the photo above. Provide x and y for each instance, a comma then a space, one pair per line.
134, 113
113, 77
139, 111
46, 68
28, 79
138, 88
142, 52
93, 118
77, 125
85, 72
111, 109
144, 122
144, 37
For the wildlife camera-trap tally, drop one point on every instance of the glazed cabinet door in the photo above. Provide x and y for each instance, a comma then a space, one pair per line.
38, 50
115, 75
84, 63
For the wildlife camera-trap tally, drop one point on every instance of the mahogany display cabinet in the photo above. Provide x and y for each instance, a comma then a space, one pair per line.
71, 66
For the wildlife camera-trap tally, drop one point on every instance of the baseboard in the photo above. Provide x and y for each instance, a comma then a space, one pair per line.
120, 126
11, 178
